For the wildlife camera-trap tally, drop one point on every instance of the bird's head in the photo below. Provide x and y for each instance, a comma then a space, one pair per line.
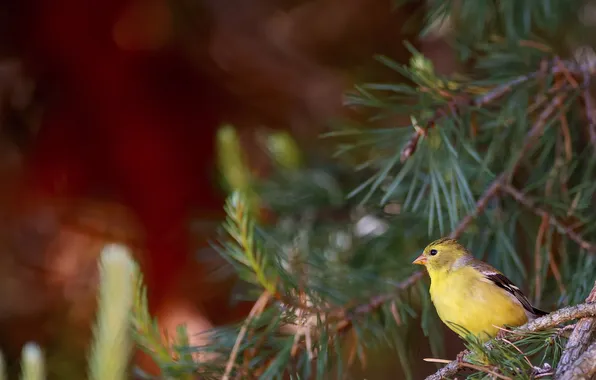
441, 254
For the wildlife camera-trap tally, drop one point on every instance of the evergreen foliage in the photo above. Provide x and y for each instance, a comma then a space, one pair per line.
501, 155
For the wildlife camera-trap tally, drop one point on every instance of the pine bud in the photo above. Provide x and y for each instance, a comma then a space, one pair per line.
111, 346
32, 363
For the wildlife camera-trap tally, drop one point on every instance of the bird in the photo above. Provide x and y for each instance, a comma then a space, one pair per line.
470, 296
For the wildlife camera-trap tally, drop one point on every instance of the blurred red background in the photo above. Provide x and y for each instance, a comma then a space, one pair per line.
128, 96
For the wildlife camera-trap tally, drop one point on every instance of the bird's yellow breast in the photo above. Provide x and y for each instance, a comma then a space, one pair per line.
464, 297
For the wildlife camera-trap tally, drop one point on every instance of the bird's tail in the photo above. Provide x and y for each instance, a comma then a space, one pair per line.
538, 313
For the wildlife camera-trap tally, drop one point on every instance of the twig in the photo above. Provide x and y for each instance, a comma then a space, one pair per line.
579, 339
518, 350
538, 258
561, 66
566, 136
548, 321
530, 204
590, 111
485, 370
256, 310
566, 330
541, 375
395, 314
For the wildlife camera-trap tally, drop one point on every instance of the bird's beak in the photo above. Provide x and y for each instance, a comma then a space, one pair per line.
420, 260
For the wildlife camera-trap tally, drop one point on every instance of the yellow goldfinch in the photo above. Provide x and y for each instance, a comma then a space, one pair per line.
471, 294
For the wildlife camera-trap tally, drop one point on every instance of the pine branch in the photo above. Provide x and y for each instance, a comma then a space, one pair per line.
345, 323
240, 227
481, 204
297, 315
579, 340
568, 68
167, 353
146, 330
548, 321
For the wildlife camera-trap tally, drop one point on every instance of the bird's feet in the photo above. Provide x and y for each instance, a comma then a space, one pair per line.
461, 356
501, 334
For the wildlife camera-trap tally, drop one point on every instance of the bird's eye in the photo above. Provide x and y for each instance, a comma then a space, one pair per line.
433, 252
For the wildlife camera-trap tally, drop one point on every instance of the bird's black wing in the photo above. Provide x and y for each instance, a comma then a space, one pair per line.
504, 283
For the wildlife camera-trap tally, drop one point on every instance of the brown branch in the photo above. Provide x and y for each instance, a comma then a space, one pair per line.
548, 321
531, 205
558, 317
579, 340
377, 301
582, 368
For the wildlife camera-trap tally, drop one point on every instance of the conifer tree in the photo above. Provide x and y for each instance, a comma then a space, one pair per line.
500, 155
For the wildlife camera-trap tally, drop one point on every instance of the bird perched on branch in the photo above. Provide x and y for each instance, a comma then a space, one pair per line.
471, 296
